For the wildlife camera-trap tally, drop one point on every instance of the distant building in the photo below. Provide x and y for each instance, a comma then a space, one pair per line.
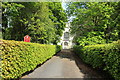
66, 39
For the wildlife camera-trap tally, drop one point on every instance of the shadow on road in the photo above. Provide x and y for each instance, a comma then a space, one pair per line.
66, 65
66, 53
87, 70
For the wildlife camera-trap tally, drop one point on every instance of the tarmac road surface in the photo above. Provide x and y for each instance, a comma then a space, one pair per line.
64, 65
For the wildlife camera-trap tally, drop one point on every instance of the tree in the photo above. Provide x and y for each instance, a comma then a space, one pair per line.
41, 27
94, 20
9, 13
43, 21
59, 17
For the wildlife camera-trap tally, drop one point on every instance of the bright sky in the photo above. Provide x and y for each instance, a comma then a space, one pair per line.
64, 5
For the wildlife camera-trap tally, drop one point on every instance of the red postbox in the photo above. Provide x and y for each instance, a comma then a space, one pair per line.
27, 38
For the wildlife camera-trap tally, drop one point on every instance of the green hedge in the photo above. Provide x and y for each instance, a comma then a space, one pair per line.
20, 57
58, 48
104, 56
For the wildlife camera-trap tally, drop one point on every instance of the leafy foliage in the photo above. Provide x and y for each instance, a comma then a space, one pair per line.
59, 17
43, 21
97, 17
104, 56
91, 38
19, 57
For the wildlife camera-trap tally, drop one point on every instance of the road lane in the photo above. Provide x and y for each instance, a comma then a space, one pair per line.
62, 65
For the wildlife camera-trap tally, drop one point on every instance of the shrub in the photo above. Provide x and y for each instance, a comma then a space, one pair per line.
90, 38
58, 48
104, 56
20, 57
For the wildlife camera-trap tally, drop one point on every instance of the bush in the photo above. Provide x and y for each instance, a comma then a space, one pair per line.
58, 48
20, 57
91, 38
104, 56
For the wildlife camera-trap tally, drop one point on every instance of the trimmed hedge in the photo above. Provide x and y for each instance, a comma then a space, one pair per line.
104, 56
20, 57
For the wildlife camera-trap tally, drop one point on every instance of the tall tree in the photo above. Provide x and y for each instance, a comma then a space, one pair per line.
10, 11
42, 28
95, 22
59, 17
43, 21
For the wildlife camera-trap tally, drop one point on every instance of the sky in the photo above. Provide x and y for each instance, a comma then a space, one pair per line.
64, 5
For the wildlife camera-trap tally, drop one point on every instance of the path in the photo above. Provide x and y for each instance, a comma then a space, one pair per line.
63, 65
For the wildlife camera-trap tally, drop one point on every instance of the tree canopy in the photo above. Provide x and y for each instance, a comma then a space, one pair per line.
43, 21
95, 22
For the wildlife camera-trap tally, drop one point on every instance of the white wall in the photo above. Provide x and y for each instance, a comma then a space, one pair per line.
70, 44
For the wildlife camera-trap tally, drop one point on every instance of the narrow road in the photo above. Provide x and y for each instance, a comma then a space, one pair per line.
64, 65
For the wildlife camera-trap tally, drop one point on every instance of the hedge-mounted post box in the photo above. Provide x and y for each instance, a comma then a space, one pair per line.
27, 38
